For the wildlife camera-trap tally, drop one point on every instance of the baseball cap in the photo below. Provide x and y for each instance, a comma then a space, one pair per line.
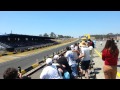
49, 61
72, 47
56, 57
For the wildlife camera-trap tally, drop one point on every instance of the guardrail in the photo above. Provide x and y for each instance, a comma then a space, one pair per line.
41, 63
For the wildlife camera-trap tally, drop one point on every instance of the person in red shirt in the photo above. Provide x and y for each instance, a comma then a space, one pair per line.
110, 57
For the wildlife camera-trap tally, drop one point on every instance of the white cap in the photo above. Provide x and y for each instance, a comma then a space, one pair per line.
72, 47
56, 57
49, 61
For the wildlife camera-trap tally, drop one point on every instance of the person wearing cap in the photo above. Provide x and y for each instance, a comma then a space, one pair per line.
56, 57
50, 71
85, 58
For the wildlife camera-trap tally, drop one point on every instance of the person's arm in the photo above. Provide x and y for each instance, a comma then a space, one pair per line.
103, 55
61, 67
76, 51
82, 53
20, 75
43, 74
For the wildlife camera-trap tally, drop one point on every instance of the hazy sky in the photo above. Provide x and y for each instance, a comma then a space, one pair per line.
73, 23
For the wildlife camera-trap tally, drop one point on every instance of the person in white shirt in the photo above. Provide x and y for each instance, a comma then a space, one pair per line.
50, 71
91, 50
91, 57
85, 58
71, 61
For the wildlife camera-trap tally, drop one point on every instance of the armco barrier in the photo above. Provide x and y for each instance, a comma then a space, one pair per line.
38, 63
31, 67
37, 68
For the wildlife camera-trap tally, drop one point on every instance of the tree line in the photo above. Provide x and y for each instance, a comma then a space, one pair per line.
101, 36
53, 35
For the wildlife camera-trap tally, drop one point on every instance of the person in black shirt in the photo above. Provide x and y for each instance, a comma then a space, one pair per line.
63, 61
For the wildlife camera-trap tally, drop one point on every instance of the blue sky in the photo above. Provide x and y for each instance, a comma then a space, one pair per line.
73, 23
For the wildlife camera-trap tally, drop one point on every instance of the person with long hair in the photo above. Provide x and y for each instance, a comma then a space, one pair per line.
110, 57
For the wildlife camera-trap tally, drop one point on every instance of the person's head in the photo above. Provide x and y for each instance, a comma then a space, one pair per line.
89, 39
68, 48
72, 47
56, 57
10, 73
49, 61
83, 44
112, 38
110, 45
75, 44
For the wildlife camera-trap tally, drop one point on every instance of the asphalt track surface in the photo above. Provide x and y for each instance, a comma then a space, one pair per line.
27, 61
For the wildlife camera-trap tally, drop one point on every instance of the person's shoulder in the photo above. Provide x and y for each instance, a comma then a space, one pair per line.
67, 53
46, 68
104, 50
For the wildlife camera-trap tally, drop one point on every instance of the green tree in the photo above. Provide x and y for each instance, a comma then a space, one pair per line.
40, 35
53, 35
46, 35
60, 36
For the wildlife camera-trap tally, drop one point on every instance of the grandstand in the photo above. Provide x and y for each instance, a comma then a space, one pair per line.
17, 42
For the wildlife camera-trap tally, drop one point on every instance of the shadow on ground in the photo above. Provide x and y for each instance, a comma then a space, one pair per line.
93, 77
96, 70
